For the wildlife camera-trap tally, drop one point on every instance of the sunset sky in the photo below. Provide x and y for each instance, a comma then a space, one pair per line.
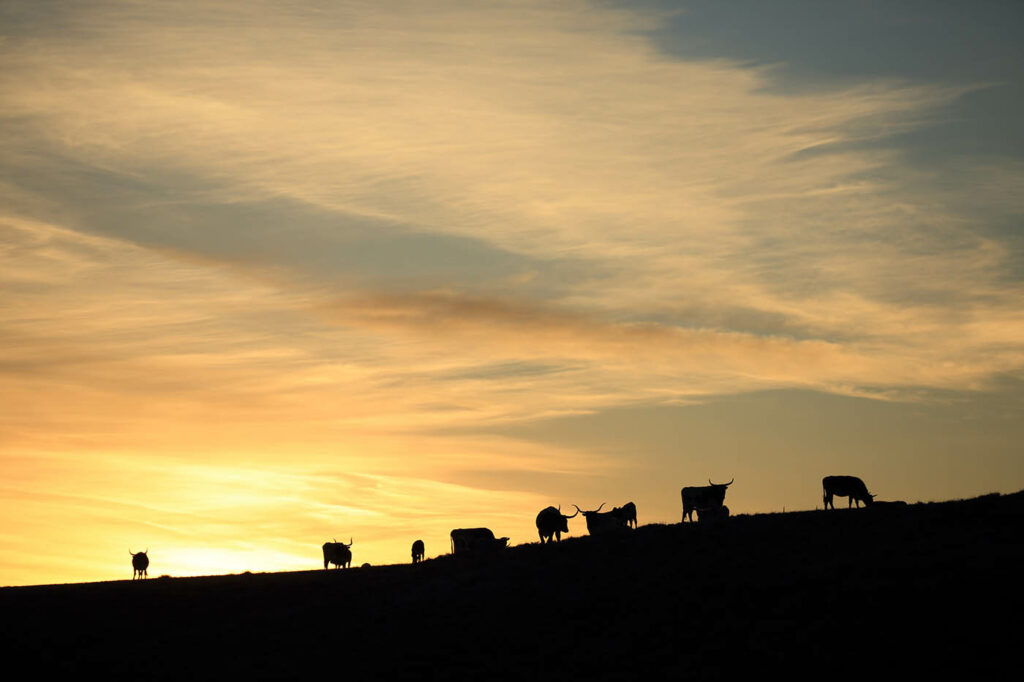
274, 273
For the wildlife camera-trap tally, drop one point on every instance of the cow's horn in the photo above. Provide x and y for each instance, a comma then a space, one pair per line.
723, 484
599, 508
574, 515
349, 543
578, 510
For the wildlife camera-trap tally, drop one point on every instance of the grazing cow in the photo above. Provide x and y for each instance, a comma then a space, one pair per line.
338, 553
627, 513
703, 497
712, 514
418, 550
602, 522
551, 523
478, 541
140, 562
849, 487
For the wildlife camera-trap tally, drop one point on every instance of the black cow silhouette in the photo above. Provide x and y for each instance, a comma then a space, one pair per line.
703, 497
338, 553
475, 541
140, 562
551, 523
602, 522
846, 486
627, 513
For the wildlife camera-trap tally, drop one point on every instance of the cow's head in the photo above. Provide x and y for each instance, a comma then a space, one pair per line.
587, 513
718, 489
565, 519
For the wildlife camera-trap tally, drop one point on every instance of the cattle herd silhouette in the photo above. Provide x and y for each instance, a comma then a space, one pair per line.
708, 501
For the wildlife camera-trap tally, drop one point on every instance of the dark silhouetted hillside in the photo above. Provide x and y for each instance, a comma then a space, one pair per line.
879, 592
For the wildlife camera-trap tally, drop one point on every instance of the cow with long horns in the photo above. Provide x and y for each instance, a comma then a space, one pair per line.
627, 513
850, 487
703, 497
551, 523
599, 522
140, 563
418, 551
476, 541
338, 553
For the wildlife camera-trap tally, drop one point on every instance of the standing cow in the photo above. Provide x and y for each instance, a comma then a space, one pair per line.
418, 551
703, 497
140, 564
846, 486
338, 553
551, 523
599, 522
627, 513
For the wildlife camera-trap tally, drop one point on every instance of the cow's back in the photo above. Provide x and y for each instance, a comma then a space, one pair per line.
843, 486
469, 539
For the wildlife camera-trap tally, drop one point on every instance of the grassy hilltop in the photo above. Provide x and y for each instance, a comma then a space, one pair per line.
913, 591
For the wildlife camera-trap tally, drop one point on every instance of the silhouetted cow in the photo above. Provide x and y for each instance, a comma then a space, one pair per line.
703, 497
846, 486
338, 553
551, 523
712, 514
418, 551
478, 541
627, 513
140, 562
599, 523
